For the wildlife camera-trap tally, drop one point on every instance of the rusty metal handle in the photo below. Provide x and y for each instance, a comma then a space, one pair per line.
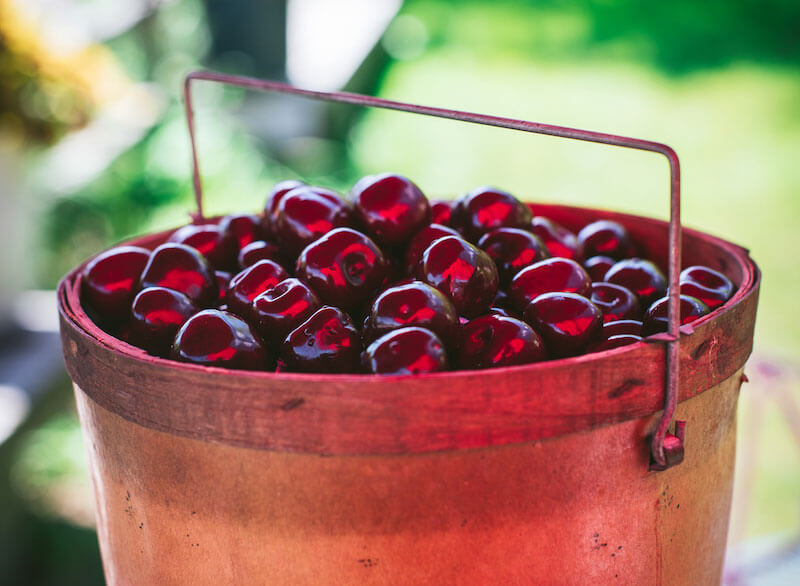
666, 449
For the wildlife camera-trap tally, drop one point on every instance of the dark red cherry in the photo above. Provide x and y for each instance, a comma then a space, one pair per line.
461, 271
279, 310
306, 213
441, 211
548, 276
597, 266
655, 318
390, 208
273, 200
422, 240
210, 241
709, 286
641, 276
613, 342
409, 350
259, 250
615, 301
242, 229
223, 284
487, 208
326, 342
491, 341
181, 268
567, 322
606, 238
111, 279
558, 240
512, 250
252, 282
156, 315
219, 338
622, 327
414, 304
344, 267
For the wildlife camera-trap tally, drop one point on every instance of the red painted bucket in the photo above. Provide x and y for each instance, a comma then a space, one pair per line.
532, 474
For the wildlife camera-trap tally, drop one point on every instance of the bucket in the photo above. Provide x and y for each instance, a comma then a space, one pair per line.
522, 475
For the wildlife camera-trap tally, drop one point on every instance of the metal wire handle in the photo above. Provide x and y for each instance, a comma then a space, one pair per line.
666, 449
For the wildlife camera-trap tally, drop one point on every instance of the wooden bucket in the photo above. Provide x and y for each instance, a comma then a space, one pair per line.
523, 475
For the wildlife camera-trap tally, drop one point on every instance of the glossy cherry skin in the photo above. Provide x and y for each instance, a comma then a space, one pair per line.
486, 208
632, 327
414, 304
156, 315
422, 240
491, 341
259, 250
613, 342
210, 241
279, 310
181, 268
655, 318
223, 284
252, 282
567, 322
463, 272
241, 229
441, 211
219, 338
327, 342
709, 286
558, 240
512, 250
641, 276
606, 238
597, 266
409, 350
110, 281
548, 276
306, 213
344, 268
390, 208
274, 197
615, 301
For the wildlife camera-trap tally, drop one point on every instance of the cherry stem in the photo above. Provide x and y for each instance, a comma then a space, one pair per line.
673, 312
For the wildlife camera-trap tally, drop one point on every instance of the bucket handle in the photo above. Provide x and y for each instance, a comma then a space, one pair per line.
666, 449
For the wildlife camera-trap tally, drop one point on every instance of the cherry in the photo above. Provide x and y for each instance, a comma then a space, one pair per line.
219, 338
655, 318
210, 241
709, 286
414, 304
252, 282
274, 197
343, 267
181, 268
607, 238
641, 276
548, 276
390, 208
409, 350
512, 250
622, 327
259, 250
461, 271
597, 266
568, 322
223, 284
242, 229
613, 342
487, 208
306, 213
558, 240
422, 240
156, 315
279, 310
326, 342
110, 280
491, 341
441, 211
615, 301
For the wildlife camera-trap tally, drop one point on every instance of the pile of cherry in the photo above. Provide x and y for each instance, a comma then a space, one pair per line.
386, 282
